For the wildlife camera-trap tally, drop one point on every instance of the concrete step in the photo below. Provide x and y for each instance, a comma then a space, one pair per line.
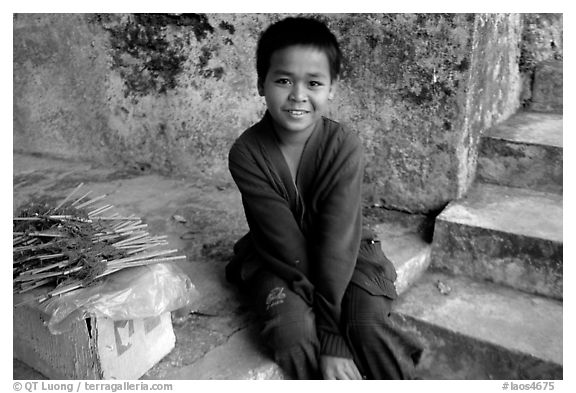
547, 89
406, 246
524, 151
507, 235
242, 357
481, 330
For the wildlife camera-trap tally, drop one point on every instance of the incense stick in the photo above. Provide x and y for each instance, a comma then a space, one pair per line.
68, 197
80, 246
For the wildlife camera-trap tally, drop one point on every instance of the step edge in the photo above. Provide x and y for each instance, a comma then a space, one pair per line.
555, 240
541, 302
264, 368
525, 142
549, 199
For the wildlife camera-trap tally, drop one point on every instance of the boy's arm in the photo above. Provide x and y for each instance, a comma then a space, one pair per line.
276, 234
338, 240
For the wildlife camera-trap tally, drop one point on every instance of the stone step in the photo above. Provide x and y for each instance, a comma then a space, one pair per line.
481, 330
407, 249
547, 89
524, 151
507, 235
240, 358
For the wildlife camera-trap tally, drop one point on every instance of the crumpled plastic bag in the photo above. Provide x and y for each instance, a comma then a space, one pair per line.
131, 293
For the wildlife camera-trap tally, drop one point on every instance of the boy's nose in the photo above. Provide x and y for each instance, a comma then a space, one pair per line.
298, 93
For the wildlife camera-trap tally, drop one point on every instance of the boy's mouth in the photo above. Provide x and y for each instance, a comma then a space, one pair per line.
296, 112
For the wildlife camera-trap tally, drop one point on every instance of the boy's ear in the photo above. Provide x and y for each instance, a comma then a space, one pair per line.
260, 87
333, 88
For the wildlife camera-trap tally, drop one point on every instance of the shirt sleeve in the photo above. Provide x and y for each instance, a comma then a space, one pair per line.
276, 234
337, 242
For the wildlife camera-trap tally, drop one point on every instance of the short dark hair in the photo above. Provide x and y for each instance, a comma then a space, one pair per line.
297, 31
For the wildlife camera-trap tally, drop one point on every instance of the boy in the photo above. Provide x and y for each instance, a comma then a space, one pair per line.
321, 285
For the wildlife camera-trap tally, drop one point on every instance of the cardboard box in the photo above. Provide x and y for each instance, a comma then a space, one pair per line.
94, 348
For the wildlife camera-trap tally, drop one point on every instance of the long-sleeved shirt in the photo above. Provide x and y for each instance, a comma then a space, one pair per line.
306, 230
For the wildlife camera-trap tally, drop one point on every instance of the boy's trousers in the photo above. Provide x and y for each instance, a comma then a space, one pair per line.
380, 349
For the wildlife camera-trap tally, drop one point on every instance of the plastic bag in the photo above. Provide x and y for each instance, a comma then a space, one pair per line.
131, 293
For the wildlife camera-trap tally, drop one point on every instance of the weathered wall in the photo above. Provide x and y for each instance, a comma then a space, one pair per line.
542, 40
165, 93
171, 92
493, 88
60, 96
402, 90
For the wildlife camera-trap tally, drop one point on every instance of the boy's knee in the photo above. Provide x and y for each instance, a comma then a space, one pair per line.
292, 334
365, 309
288, 325
365, 329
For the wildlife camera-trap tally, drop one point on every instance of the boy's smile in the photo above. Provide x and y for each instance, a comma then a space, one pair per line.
297, 88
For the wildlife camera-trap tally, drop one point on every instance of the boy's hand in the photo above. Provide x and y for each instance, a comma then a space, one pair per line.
333, 367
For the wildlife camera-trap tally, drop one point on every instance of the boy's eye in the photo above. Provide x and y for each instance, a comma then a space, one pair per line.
315, 84
283, 81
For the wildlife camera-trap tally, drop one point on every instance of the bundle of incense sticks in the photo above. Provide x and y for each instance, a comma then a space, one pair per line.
73, 244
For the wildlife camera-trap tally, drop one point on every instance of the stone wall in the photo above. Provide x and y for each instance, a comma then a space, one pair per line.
171, 92
493, 88
542, 41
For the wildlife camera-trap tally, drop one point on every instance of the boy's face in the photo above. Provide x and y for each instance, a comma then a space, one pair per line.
297, 88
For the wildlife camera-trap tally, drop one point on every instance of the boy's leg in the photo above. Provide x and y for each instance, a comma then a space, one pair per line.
289, 326
381, 350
